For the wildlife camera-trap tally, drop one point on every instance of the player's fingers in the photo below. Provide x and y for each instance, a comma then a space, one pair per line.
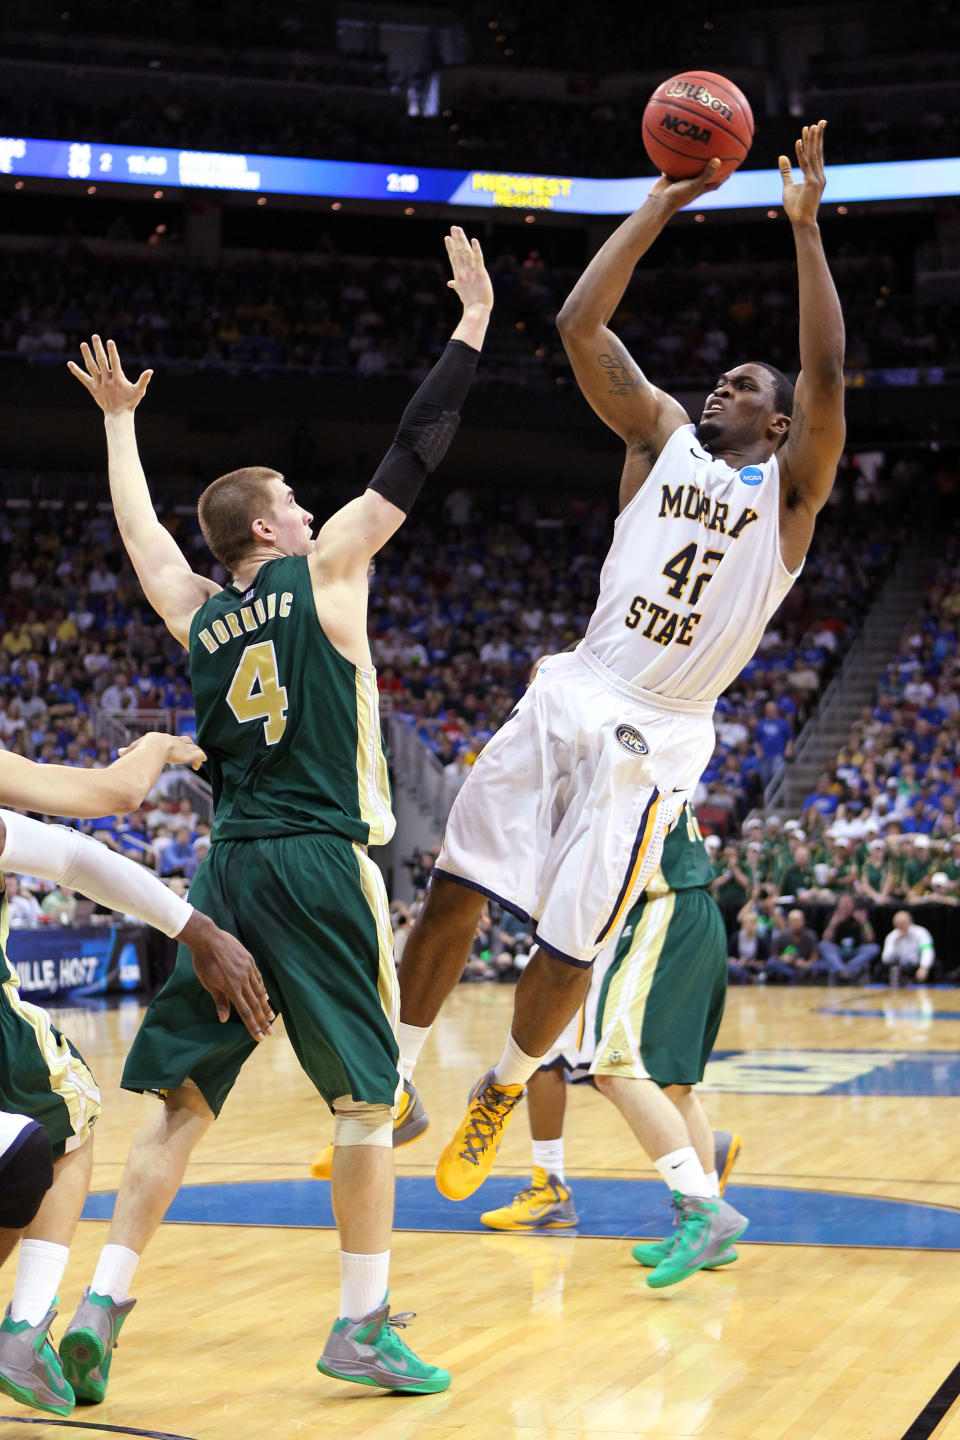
114, 359
477, 252
142, 383
785, 169
101, 356
80, 374
89, 361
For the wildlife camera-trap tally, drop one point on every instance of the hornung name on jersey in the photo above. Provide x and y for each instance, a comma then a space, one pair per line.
237, 623
695, 506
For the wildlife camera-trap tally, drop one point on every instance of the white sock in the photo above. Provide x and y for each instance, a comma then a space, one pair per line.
548, 1154
410, 1039
363, 1283
681, 1170
514, 1066
40, 1269
713, 1180
114, 1272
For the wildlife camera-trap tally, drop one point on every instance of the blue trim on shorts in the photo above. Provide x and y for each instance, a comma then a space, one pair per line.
633, 860
560, 954
482, 890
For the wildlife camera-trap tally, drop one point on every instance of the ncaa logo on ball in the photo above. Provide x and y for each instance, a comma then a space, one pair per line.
751, 474
631, 740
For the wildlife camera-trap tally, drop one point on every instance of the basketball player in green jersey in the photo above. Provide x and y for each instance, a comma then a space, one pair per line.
644, 1035
286, 702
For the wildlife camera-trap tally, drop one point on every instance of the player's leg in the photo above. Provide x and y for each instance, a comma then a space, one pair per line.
660, 1013
324, 901
547, 1203
687, 1102
185, 1054
43, 1076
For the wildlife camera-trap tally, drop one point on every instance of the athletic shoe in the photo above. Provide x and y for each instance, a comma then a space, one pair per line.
87, 1347
547, 1204
29, 1369
651, 1253
468, 1159
726, 1149
708, 1229
409, 1123
370, 1352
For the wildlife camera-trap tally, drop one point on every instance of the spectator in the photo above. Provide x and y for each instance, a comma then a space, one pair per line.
22, 909
748, 948
847, 946
795, 951
732, 885
772, 741
907, 947
180, 856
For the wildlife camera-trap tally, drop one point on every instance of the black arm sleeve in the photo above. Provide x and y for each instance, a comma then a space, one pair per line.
427, 427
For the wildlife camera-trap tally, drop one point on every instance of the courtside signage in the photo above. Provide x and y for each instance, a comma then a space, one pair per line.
89, 161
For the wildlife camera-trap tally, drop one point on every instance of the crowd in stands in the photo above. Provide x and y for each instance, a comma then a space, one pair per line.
373, 317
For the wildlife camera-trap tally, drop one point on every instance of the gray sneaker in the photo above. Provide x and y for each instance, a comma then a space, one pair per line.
369, 1351
726, 1149
29, 1369
411, 1119
87, 1347
708, 1228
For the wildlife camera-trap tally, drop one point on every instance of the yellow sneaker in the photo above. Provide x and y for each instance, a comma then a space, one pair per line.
547, 1204
726, 1148
468, 1159
409, 1123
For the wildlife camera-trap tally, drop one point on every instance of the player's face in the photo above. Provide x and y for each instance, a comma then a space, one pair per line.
739, 408
289, 521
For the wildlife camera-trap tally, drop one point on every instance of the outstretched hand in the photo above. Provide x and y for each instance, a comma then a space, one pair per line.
680, 192
801, 202
105, 380
181, 750
470, 278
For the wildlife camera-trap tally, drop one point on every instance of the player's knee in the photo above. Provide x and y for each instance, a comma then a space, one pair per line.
25, 1177
606, 1084
358, 1123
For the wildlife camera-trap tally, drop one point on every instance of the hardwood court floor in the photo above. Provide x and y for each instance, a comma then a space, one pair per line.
553, 1337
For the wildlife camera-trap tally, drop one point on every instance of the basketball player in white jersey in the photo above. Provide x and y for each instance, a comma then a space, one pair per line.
563, 817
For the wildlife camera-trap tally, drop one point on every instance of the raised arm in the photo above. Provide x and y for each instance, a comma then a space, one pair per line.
612, 382
808, 464
171, 587
83, 794
350, 538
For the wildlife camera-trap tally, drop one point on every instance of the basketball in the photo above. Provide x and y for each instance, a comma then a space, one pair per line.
693, 117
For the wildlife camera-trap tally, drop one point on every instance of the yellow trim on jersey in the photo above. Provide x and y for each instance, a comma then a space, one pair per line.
373, 783
648, 832
618, 1050
375, 894
69, 1077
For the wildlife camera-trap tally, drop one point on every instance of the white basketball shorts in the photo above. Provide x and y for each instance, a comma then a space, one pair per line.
562, 818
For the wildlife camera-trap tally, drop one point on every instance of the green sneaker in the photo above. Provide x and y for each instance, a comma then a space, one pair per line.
370, 1352
87, 1347
651, 1253
29, 1369
708, 1230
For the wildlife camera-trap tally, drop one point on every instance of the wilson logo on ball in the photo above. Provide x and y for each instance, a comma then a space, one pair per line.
688, 128
683, 89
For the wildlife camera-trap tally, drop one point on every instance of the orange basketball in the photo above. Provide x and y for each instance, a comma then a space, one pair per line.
693, 117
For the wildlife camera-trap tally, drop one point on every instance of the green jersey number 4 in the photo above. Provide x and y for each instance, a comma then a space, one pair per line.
256, 693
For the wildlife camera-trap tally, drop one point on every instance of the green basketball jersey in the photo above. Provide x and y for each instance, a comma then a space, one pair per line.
290, 727
684, 864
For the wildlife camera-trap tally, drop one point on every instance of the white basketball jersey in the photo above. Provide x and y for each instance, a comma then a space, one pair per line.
693, 575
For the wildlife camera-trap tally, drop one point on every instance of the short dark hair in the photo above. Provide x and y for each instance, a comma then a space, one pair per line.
229, 506
782, 391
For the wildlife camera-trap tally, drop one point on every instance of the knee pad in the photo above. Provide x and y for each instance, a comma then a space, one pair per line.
358, 1123
26, 1174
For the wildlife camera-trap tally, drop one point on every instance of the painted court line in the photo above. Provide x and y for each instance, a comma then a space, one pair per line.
936, 1408
88, 1425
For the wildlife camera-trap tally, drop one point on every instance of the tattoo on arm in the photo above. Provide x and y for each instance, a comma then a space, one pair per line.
622, 382
797, 421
